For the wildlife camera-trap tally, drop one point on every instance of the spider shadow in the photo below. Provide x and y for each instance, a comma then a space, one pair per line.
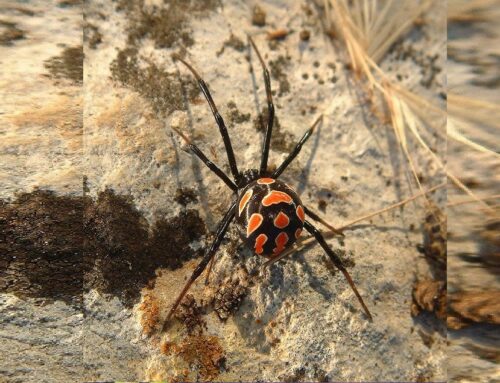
255, 95
306, 170
274, 290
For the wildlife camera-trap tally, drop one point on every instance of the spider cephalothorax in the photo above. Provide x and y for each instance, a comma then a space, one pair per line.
270, 216
268, 212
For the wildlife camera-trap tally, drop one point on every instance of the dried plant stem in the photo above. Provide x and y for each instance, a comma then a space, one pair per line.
368, 29
394, 206
307, 240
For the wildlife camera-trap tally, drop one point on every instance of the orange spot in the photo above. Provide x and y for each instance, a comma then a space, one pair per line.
259, 243
281, 221
276, 197
253, 223
265, 181
297, 233
244, 200
281, 240
300, 213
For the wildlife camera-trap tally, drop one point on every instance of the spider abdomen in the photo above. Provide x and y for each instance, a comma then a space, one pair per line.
270, 216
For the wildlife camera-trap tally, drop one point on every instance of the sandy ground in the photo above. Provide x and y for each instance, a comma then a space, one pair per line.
91, 302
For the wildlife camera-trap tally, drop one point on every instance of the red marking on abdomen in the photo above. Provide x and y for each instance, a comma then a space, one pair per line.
259, 243
300, 213
275, 197
254, 222
281, 221
297, 233
244, 200
265, 181
281, 240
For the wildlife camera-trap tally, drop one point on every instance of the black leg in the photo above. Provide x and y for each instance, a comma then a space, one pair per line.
221, 231
218, 119
270, 112
337, 262
195, 150
317, 218
209, 270
297, 149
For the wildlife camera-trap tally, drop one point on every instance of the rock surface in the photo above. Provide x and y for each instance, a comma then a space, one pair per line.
147, 207
473, 246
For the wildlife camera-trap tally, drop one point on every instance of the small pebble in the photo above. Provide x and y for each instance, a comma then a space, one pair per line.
258, 16
305, 35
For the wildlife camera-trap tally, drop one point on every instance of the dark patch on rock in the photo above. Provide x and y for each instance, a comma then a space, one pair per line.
42, 243
235, 116
280, 141
258, 16
466, 308
347, 258
305, 35
489, 250
18, 10
162, 89
428, 63
69, 3
322, 204
184, 196
228, 298
297, 376
278, 72
233, 42
435, 239
56, 247
9, 32
91, 35
190, 314
430, 296
68, 65
171, 239
125, 257
167, 26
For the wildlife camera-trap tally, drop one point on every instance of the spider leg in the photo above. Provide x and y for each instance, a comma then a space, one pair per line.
270, 112
209, 270
218, 119
221, 231
337, 262
317, 218
196, 151
297, 149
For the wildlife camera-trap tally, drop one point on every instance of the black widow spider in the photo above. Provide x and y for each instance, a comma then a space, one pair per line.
268, 212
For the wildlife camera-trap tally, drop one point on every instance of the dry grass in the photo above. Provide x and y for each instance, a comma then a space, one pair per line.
368, 28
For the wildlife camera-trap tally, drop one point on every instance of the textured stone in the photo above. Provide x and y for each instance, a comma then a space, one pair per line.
295, 321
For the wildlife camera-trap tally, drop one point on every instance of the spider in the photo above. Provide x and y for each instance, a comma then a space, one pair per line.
269, 214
